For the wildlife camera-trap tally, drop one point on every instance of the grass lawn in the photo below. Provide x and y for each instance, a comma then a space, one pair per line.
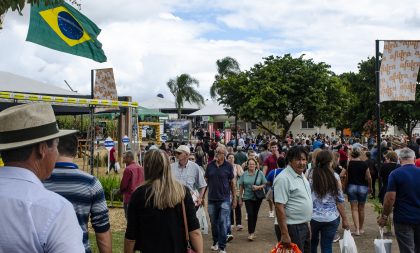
117, 242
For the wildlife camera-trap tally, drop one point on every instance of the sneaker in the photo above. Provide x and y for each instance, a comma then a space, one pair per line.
337, 237
222, 251
215, 247
271, 214
229, 238
239, 228
251, 237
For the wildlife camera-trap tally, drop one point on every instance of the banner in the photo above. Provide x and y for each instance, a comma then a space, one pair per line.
177, 130
63, 28
228, 135
399, 69
211, 130
105, 87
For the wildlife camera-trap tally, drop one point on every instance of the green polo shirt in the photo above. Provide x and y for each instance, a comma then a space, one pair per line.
293, 190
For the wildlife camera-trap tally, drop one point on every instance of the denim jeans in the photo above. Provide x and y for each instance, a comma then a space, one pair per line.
408, 237
219, 212
327, 231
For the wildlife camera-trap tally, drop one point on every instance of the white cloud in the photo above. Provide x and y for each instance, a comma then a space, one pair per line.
148, 42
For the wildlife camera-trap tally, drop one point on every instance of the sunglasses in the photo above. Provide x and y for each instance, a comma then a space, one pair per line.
177, 153
191, 159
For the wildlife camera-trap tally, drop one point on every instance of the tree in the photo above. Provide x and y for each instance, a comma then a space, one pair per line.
282, 88
182, 89
18, 5
362, 87
403, 114
225, 67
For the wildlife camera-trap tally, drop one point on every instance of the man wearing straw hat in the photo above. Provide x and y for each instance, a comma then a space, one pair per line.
32, 218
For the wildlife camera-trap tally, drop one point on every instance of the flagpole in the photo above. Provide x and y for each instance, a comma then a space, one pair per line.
378, 109
92, 125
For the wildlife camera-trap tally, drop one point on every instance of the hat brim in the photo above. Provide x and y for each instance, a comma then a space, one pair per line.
13, 145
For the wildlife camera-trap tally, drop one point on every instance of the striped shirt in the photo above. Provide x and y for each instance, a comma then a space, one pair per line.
86, 194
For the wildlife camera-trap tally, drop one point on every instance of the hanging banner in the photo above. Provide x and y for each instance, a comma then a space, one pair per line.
399, 69
105, 87
177, 130
211, 130
228, 135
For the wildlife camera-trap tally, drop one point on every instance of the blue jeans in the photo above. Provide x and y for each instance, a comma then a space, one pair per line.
219, 212
327, 230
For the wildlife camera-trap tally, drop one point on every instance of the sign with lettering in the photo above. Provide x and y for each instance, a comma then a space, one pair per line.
399, 69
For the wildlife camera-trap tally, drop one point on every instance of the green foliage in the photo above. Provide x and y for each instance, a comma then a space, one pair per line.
362, 88
182, 87
225, 67
109, 183
74, 122
282, 88
18, 5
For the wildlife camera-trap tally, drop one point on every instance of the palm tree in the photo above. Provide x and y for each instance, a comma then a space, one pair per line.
225, 67
182, 87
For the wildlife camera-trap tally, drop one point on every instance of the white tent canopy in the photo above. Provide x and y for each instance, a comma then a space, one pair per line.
163, 103
15, 83
211, 108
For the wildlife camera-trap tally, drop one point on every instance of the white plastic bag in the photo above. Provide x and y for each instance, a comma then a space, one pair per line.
382, 245
201, 216
347, 244
117, 166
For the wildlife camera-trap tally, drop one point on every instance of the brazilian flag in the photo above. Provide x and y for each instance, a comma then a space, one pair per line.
63, 28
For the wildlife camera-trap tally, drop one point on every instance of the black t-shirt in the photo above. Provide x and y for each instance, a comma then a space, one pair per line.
159, 230
357, 172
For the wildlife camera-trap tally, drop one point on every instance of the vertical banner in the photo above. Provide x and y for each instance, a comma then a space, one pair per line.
211, 130
228, 135
399, 69
105, 87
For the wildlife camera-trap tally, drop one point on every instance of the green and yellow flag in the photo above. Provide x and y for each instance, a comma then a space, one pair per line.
63, 28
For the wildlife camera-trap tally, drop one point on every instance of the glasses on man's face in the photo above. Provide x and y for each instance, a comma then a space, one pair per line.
177, 153
191, 159
220, 153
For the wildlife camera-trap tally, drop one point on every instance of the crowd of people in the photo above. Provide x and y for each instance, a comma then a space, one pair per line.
48, 201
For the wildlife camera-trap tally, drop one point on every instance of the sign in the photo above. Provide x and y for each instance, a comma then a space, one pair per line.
177, 130
125, 139
109, 143
399, 69
228, 135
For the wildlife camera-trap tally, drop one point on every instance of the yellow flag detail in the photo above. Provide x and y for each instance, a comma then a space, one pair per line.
51, 16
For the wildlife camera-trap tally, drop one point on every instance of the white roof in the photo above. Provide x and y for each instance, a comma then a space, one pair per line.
15, 83
163, 103
212, 108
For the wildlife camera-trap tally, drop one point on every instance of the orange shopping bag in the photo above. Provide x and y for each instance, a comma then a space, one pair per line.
279, 248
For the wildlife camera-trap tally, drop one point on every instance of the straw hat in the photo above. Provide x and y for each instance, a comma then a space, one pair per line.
28, 124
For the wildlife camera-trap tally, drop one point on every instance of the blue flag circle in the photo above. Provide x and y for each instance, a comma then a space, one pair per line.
69, 26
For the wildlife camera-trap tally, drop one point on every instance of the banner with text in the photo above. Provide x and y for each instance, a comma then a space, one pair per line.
399, 69
177, 130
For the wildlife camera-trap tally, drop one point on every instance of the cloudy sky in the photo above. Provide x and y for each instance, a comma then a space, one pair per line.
148, 42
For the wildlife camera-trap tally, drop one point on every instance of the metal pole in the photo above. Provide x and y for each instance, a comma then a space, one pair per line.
92, 125
378, 109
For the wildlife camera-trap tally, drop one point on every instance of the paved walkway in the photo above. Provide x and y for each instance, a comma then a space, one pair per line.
266, 238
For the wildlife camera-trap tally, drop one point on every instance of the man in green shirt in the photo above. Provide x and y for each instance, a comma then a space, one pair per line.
292, 197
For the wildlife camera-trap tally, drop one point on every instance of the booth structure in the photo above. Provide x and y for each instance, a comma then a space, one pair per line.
152, 132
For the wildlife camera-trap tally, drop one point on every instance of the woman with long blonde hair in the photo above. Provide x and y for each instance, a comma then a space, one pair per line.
154, 219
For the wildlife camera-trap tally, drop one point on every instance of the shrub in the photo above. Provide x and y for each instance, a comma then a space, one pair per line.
109, 183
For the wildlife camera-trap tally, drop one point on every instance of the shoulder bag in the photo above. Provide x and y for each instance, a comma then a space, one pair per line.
187, 236
259, 194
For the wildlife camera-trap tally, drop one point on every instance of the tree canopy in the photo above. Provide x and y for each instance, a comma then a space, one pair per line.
225, 67
282, 88
182, 87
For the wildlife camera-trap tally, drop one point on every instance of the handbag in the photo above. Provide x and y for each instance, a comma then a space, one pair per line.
259, 194
187, 236
279, 248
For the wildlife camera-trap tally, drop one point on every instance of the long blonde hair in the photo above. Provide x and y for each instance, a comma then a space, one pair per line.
165, 191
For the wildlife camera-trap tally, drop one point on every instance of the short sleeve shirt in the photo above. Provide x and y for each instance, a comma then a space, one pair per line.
293, 190
247, 181
218, 181
190, 176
